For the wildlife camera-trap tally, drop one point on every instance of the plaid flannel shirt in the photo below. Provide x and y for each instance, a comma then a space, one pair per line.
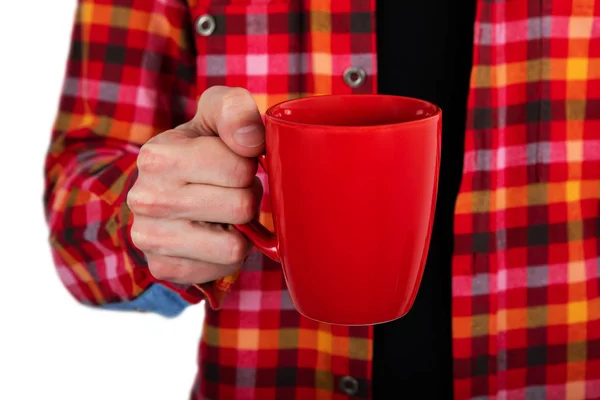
526, 293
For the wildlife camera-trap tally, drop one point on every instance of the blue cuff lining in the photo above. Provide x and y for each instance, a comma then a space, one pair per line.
157, 299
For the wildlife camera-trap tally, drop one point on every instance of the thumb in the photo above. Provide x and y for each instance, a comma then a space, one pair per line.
232, 114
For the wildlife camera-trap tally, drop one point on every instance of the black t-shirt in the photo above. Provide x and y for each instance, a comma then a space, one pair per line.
425, 51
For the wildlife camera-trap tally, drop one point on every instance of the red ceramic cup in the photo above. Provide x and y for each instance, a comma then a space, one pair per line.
353, 183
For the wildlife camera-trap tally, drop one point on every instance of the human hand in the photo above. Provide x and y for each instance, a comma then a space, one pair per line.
195, 180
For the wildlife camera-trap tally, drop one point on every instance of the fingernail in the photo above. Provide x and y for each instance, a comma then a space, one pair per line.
249, 136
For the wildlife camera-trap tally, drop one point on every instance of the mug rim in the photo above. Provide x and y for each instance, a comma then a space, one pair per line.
282, 121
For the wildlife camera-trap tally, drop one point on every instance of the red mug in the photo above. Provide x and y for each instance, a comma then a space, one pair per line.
353, 183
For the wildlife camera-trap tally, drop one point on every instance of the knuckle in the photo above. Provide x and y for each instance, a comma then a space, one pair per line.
243, 172
235, 99
244, 207
132, 198
150, 160
148, 202
235, 95
212, 273
238, 247
147, 239
162, 270
139, 237
211, 91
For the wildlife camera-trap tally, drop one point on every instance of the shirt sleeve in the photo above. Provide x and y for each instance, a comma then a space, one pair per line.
130, 75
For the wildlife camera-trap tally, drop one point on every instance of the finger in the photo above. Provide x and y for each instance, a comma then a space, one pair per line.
205, 160
186, 271
195, 202
218, 204
232, 114
197, 241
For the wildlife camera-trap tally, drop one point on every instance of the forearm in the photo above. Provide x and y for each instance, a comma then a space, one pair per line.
89, 224
102, 121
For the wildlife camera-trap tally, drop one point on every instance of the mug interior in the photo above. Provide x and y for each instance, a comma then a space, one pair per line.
353, 110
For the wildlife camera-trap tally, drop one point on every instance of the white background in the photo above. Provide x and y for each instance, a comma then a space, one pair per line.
50, 346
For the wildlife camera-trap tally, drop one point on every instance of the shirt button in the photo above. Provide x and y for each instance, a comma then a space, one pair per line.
354, 76
205, 25
349, 385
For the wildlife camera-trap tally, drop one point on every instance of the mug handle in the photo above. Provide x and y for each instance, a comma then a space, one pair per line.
261, 237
